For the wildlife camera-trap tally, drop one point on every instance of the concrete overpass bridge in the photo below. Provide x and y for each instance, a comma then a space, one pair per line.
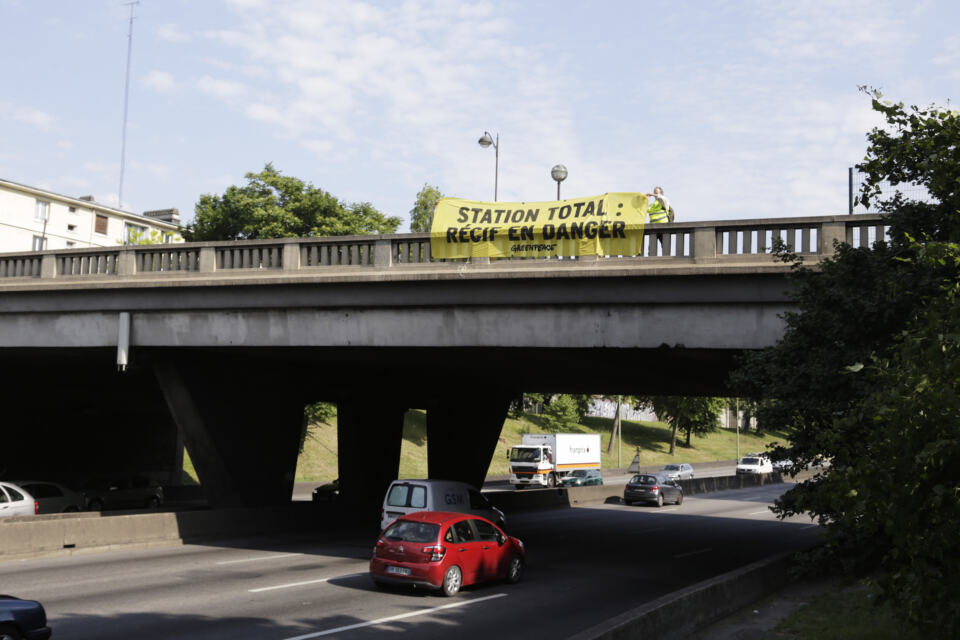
224, 343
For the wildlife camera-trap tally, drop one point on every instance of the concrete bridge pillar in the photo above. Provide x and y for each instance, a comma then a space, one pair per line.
241, 425
462, 434
369, 434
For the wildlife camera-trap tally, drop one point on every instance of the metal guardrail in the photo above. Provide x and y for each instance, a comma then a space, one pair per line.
725, 242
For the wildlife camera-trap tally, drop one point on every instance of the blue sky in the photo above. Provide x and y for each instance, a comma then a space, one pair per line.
739, 109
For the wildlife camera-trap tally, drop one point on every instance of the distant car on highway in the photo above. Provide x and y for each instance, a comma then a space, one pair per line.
582, 477
134, 492
753, 464
16, 501
655, 488
52, 497
22, 619
682, 471
327, 492
445, 551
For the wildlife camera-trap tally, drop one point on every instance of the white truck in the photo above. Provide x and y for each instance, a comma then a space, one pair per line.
540, 460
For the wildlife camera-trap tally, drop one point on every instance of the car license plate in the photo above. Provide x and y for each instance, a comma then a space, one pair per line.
400, 571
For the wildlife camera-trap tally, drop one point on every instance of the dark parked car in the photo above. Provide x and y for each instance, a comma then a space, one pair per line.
52, 497
445, 551
136, 492
582, 477
327, 492
24, 619
657, 488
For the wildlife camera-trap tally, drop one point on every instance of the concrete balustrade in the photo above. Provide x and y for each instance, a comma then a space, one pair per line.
720, 242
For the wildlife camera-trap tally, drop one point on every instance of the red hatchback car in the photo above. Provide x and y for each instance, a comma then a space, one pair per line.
445, 551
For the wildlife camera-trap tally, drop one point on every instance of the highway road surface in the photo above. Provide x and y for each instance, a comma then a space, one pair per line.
584, 565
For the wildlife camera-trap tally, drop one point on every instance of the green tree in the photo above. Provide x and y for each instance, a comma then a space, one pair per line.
136, 237
421, 216
560, 412
272, 205
692, 414
866, 376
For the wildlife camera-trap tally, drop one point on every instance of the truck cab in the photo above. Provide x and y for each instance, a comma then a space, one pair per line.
532, 465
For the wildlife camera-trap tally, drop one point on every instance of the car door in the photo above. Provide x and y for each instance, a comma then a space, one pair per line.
20, 505
467, 551
493, 558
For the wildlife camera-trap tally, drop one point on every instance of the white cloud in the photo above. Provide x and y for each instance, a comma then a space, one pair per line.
171, 33
26, 115
221, 88
949, 52
161, 81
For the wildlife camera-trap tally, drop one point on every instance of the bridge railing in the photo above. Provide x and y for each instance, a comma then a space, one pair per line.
722, 242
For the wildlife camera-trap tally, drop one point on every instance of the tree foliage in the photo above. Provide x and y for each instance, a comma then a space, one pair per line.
690, 414
421, 216
867, 376
272, 205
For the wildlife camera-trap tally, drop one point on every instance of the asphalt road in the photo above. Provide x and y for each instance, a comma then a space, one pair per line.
584, 566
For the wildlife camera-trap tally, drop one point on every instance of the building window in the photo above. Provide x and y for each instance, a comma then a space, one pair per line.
72, 228
43, 211
168, 237
135, 233
39, 243
71, 244
72, 209
100, 226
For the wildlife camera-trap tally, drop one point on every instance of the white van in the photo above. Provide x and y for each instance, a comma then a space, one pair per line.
409, 496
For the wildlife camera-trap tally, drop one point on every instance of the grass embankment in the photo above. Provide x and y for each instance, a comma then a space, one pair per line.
846, 612
319, 458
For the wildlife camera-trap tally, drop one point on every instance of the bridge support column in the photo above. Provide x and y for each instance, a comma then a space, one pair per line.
242, 431
462, 434
369, 434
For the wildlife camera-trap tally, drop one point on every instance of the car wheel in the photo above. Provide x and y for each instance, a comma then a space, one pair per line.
659, 499
153, 502
680, 499
551, 481
9, 633
95, 505
452, 581
515, 570
627, 502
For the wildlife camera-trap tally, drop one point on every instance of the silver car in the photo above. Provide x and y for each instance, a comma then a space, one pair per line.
15, 501
681, 471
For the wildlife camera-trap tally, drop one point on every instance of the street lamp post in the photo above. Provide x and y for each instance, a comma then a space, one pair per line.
558, 173
485, 142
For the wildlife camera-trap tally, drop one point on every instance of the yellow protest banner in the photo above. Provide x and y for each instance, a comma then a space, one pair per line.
610, 224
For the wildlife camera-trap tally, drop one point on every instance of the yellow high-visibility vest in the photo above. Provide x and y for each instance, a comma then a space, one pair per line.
657, 212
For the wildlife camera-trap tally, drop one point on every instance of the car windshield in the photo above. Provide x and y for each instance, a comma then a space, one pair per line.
518, 454
408, 531
674, 467
643, 480
753, 461
579, 473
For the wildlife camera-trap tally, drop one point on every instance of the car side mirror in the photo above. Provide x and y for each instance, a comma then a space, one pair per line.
501, 539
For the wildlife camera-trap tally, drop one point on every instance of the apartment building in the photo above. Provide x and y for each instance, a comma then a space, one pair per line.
33, 219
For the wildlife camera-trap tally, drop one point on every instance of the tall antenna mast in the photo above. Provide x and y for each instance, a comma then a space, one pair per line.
126, 102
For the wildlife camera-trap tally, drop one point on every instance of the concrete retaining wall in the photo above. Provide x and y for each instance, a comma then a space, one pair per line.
46, 535
679, 614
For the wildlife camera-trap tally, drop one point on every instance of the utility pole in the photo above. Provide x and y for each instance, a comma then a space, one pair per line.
126, 102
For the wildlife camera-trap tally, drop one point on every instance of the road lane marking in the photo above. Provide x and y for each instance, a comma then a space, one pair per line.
691, 553
756, 513
305, 582
401, 616
259, 558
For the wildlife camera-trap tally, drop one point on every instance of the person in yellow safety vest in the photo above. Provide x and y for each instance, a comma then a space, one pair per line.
659, 212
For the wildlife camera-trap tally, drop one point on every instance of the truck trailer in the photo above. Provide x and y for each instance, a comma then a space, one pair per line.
540, 460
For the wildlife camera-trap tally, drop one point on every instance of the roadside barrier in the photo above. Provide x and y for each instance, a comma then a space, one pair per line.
527, 499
